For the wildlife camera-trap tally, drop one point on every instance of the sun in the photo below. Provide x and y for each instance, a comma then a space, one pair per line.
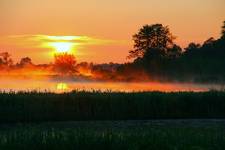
62, 47
62, 86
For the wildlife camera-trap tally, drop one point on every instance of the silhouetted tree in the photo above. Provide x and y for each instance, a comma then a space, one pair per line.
210, 41
65, 63
223, 30
5, 59
174, 52
192, 47
26, 61
221, 41
151, 37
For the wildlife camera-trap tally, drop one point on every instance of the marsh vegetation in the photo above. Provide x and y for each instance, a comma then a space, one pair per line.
97, 105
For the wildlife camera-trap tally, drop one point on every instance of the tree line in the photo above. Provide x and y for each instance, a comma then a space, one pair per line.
156, 54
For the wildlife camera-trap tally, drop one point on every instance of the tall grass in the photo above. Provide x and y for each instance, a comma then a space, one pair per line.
34, 106
114, 137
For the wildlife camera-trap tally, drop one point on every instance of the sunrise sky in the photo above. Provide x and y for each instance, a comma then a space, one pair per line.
100, 30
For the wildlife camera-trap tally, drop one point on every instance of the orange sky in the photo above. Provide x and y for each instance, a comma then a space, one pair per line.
109, 22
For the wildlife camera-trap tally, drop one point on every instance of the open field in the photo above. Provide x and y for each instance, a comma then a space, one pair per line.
115, 135
74, 106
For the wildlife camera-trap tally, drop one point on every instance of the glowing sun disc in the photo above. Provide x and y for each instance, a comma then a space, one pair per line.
62, 86
62, 47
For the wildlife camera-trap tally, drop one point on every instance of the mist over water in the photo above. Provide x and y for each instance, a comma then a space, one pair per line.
59, 86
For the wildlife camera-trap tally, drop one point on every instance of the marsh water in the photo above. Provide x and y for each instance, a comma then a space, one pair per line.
67, 86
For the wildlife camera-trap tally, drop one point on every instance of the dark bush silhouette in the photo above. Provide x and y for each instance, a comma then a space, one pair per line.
26, 61
5, 59
65, 63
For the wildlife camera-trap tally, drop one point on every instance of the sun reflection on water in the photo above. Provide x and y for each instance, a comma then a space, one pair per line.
24, 84
62, 87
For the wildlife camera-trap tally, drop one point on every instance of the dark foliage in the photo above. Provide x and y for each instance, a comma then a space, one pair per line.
65, 63
32, 107
5, 59
149, 38
166, 61
109, 135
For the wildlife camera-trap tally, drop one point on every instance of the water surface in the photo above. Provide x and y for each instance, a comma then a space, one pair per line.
67, 86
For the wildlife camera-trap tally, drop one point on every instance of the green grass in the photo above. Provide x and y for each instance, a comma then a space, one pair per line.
131, 135
36, 107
